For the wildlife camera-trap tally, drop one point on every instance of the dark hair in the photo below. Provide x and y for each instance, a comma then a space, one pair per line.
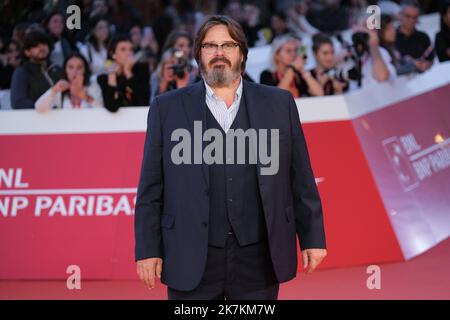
136, 23
115, 41
234, 29
35, 38
64, 33
385, 20
49, 16
318, 40
12, 42
173, 37
281, 15
93, 21
410, 3
444, 8
87, 71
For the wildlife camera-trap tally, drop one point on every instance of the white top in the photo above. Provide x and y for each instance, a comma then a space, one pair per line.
368, 78
48, 101
96, 59
57, 54
224, 115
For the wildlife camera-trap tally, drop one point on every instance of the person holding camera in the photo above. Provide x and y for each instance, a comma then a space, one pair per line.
325, 71
126, 83
288, 71
366, 62
171, 73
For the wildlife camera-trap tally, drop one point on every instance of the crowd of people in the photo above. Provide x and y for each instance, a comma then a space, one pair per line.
116, 60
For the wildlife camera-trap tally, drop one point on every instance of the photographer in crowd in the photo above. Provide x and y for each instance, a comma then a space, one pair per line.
126, 83
412, 44
288, 71
171, 73
366, 62
181, 40
325, 71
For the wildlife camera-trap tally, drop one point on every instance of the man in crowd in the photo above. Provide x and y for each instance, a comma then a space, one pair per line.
35, 75
412, 44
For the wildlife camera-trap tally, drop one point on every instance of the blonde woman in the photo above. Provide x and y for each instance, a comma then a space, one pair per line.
288, 71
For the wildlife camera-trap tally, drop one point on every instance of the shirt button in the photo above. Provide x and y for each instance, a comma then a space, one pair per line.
230, 179
230, 200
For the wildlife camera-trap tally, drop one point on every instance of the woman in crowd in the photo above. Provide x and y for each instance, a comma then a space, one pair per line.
95, 49
323, 50
181, 40
62, 46
145, 46
387, 36
8, 63
127, 82
169, 74
288, 70
75, 91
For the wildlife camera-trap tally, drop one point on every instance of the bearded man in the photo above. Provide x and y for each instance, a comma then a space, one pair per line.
227, 229
36, 75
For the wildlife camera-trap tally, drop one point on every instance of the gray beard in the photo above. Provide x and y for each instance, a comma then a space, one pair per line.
220, 76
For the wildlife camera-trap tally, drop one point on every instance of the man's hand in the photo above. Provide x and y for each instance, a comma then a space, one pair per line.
148, 269
312, 258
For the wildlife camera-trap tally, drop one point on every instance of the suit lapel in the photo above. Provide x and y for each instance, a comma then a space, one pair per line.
194, 102
258, 115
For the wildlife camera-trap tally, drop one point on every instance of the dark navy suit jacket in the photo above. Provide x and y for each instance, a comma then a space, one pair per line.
172, 204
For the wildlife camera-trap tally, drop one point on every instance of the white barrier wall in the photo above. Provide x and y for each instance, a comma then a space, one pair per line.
316, 109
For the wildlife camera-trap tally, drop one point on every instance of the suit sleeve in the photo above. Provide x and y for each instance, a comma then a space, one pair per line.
307, 203
149, 200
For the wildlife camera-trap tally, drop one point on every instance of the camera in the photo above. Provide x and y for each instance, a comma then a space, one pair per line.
360, 43
352, 67
181, 66
344, 73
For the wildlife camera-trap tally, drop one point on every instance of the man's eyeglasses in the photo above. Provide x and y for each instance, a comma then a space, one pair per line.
227, 47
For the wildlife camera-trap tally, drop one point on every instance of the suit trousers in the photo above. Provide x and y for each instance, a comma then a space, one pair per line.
234, 273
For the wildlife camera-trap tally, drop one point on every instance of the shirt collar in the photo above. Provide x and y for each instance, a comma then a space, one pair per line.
210, 93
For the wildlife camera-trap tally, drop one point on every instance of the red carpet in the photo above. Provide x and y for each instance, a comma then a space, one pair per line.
424, 277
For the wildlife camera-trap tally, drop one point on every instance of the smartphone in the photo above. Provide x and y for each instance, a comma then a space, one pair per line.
301, 51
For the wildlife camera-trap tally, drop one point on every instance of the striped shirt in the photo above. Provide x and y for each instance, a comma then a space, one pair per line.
224, 115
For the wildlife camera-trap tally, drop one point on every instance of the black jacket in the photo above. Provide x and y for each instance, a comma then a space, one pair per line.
128, 92
30, 81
